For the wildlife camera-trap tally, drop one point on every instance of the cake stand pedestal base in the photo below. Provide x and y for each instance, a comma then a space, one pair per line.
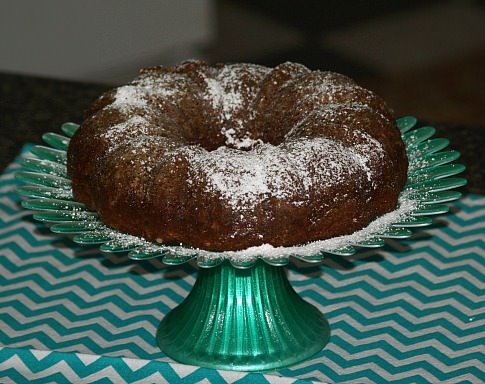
243, 319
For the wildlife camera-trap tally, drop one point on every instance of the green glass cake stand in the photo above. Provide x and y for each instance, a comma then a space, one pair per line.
242, 313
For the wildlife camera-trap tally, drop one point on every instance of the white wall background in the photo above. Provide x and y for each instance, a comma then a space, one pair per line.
104, 41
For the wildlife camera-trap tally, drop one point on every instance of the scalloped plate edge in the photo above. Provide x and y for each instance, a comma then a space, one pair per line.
113, 241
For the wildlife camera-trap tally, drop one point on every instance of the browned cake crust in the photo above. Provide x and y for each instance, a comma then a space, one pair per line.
238, 155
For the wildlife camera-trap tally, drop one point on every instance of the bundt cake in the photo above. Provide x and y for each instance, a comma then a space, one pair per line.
237, 155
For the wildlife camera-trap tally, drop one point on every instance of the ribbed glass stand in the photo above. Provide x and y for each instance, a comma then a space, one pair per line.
243, 319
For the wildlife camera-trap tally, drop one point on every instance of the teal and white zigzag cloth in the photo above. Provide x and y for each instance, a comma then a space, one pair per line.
413, 311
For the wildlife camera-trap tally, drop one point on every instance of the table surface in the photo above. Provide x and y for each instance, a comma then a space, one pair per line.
410, 311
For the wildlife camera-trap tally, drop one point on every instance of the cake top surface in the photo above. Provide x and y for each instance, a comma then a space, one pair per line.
245, 169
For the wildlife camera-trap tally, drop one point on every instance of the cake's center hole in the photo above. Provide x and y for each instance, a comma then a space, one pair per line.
240, 139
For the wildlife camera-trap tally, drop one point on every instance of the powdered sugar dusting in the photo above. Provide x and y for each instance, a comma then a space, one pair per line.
363, 153
243, 179
164, 86
227, 99
232, 140
134, 127
230, 96
137, 95
128, 98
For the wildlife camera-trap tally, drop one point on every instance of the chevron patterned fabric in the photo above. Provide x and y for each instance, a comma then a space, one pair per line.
413, 311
